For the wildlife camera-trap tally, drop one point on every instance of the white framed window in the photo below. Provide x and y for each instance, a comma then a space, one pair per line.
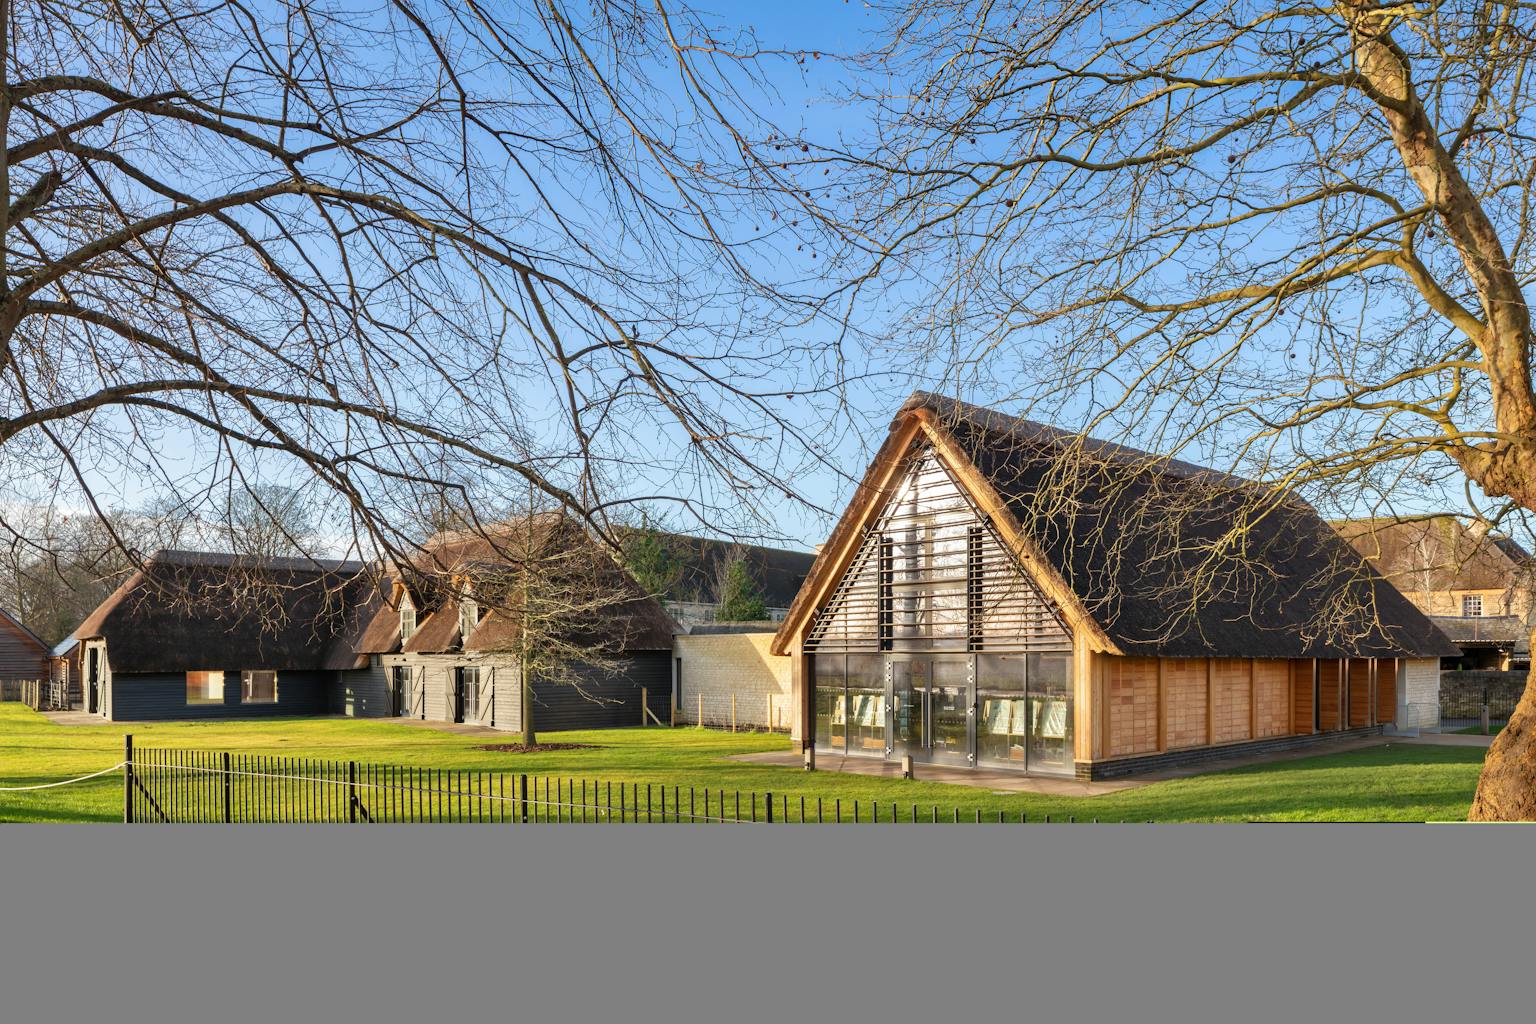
258, 686
205, 687
407, 622
1471, 606
469, 617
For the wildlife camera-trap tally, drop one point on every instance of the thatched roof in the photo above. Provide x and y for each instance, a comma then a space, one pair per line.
1160, 556
1438, 553
479, 561
196, 610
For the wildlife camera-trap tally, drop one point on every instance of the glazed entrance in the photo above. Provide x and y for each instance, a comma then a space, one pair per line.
937, 645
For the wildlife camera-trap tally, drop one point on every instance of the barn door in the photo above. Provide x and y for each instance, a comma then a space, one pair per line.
92, 678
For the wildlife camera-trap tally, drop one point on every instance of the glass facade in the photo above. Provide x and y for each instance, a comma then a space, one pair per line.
937, 645
1012, 710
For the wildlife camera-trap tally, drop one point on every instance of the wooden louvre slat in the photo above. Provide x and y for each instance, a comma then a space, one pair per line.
932, 574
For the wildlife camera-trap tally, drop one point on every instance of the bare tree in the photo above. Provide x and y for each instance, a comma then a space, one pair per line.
1293, 238
540, 591
394, 251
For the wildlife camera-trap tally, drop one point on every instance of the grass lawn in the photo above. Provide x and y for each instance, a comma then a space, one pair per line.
1477, 730
1399, 782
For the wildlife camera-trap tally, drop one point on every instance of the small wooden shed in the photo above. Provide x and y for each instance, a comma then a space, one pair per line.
1003, 594
22, 655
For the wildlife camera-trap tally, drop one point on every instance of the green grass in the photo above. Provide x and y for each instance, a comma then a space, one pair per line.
1398, 782
1477, 730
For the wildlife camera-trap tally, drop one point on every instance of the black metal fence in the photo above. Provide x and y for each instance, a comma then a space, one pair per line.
1463, 695
200, 786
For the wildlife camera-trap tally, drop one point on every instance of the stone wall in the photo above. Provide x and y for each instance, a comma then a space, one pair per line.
715, 666
1421, 690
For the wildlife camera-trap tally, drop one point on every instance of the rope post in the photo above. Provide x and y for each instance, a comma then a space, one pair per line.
128, 778
352, 791
227, 818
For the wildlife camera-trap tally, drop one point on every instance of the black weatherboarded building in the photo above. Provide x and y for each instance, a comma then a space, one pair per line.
206, 635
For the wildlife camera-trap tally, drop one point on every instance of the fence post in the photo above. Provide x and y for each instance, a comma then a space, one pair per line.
352, 791
770, 808
227, 818
128, 778
524, 789
643, 697
701, 711
733, 712
1485, 718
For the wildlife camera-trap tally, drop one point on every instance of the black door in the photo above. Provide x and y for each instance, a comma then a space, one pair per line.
92, 678
458, 695
397, 691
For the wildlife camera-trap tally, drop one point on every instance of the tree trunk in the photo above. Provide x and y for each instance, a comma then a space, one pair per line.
529, 736
1506, 791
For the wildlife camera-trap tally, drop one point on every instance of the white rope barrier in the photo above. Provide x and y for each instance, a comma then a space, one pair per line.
66, 782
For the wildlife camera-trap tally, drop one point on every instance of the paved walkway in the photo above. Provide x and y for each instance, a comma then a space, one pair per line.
1445, 739
1001, 781
76, 718
458, 728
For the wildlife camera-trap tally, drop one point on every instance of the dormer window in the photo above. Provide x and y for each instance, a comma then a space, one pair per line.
407, 621
469, 617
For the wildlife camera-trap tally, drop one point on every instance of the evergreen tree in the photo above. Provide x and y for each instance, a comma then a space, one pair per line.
740, 600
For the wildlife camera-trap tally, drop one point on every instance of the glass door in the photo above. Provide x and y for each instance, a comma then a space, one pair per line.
951, 711
907, 683
932, 709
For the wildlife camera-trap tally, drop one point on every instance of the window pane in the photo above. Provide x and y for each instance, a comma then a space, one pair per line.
1050, 698
1000, 671
258, 687
205, 687
866, 704
1003, 725
831, 707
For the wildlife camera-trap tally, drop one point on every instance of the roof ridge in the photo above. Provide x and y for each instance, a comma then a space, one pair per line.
996, 421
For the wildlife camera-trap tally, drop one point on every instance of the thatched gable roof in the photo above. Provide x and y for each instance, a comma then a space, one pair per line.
193, 610
1154, 555
451, 562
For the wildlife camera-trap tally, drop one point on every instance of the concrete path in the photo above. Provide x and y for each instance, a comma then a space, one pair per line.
999, 781
77, 718
1446, 739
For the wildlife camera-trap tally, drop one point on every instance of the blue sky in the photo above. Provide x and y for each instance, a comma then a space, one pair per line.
832, 27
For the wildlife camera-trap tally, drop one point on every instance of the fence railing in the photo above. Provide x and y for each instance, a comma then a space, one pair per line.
1465, 695
37, 694
200, 786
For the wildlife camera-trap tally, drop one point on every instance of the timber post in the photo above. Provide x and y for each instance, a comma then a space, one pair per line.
352, 792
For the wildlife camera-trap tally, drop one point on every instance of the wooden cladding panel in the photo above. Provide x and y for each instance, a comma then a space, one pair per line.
1230, 697
1186, 682
1302, 684
1271, 697
1359, 692
1386, 690
1329, 694
1132, 699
